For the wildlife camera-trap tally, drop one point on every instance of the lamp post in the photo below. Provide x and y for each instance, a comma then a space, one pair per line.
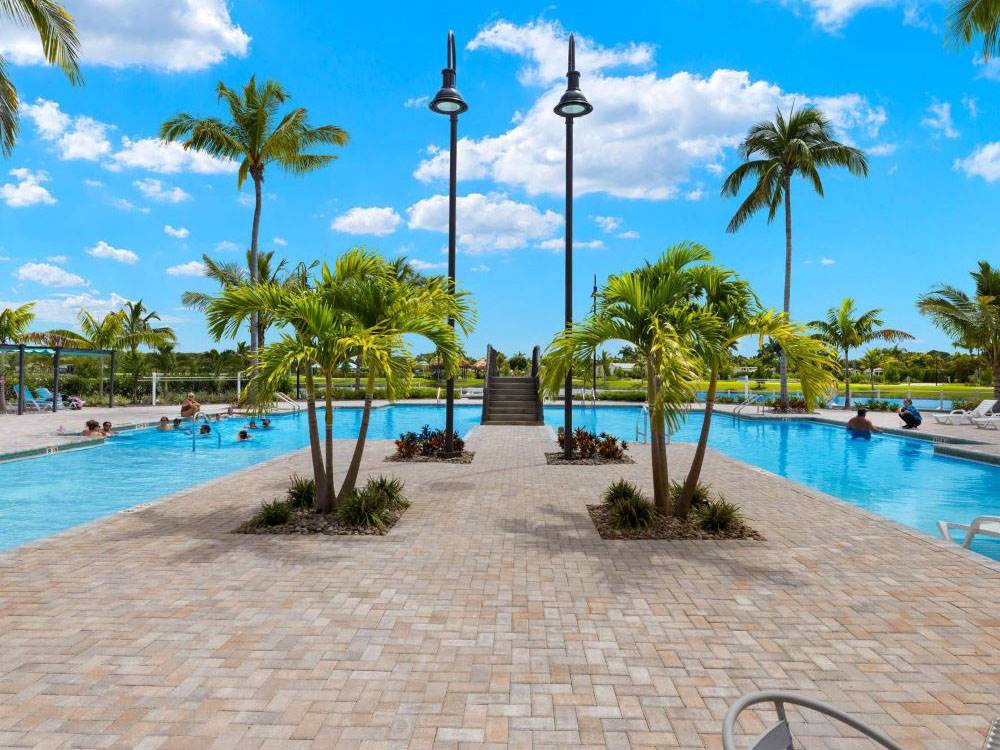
573, 104
449, 102
593, 295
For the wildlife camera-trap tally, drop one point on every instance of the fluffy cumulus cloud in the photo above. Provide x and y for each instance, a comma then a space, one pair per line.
559, 243
79, 137
424, 265
103, 250
832, 15
191, 268
374, 221
983, 162
486, 223
157, 191
646, 135
607, 223
27, 190
179, 233
48, 274
64, 308
179, 35
939, 120
167, 158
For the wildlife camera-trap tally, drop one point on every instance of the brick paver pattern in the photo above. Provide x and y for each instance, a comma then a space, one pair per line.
492, 615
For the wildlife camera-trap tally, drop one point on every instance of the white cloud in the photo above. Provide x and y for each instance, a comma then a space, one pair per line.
57, 259
79, 137
827, 261
486, 223
832, 15
47, 274
629, 235
180, 35
423, 265
607, 223
481, 268
191, 268
103, 250
280, 241
881, 149
989, 69
177, 232
646, 133
64, 308
375, 221
157, 191
695, 195
939, 120
971, 105
28, 190
983, 162
226, 246
123, 204
559, 243
416, 101
93, 183
166, 158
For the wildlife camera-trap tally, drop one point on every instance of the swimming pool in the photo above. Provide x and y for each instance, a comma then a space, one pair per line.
899, 478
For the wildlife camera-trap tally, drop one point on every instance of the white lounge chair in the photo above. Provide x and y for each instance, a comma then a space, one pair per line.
966, 416
987, 423
472, 393
988, 526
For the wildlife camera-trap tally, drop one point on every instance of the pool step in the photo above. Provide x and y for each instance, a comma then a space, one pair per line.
512, 401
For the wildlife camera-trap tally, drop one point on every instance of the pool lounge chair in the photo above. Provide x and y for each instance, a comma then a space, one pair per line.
987, 423
30, 402
778, 736
966, 416
988, 526
472, 393
45, 395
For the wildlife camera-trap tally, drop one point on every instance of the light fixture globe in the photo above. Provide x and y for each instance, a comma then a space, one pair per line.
573, 103
447, 101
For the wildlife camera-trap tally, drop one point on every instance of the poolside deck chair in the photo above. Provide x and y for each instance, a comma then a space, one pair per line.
46, 396
987, 423
988, 526
472, 393
779, 735
966, 416
30, 402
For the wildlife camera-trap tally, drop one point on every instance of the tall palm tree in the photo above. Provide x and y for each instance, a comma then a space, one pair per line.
846, 330
57, 33
256, 137
733, 303
652, 309
773, 153
14, 322
972, 321
971, 17
138, 330
871, 361
165, 360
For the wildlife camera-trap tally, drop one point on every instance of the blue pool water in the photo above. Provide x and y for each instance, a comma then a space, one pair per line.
898, 478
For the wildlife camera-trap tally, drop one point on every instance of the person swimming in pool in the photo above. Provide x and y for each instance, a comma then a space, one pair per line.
204, 430
243, 437
859, 426
93, 429
106, 429
164, 425
265, 424
252, 425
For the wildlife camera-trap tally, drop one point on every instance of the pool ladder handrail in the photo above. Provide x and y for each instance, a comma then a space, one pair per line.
281, 399
746, 403
642, 425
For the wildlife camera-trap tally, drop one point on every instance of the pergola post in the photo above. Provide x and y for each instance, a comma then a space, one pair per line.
20, 379
55, 379
111, 381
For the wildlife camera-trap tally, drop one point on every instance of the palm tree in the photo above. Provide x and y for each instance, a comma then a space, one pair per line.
972, 321
256, 137
739, 315
14, 322
650, 308
846, 330
971, 17
165, 360
138, 330
773, 152
57, 32
870, 361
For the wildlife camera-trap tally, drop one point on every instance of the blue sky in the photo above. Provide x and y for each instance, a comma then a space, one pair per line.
94, 211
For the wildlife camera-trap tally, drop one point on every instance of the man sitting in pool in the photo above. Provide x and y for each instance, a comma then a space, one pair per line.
909, 414
106, 429
860, 426
189, 406
93, 429
165, 425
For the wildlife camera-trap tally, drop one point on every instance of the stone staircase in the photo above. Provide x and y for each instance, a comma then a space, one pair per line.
511, 400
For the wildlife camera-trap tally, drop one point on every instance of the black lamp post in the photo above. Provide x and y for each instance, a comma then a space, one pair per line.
573, 104
449, 102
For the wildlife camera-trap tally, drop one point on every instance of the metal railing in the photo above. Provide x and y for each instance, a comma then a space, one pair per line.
746, 404
283, 401
642, 425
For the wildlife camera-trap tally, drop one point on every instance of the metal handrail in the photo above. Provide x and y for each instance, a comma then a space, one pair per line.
743, 405
284, 400
642, 419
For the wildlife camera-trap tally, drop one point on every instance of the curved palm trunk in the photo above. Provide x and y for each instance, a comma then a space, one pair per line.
254, 233
328, 424
788, 279
3, 383
658, 449
847, 378
315, 449
694, 473
351, 477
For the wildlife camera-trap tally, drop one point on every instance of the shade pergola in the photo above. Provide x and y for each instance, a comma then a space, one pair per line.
56, 352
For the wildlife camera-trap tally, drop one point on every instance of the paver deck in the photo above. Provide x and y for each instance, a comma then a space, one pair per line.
492, 615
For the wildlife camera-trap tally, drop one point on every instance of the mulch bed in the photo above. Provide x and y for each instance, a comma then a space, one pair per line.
665, 527
557, 459
306, 522
465, 458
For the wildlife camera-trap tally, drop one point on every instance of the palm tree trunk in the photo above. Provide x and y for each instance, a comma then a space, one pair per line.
315, 449
100, 378
658, 449
788, 280
847, 378
996, 378
694, 473
357, 373
328, 424
3, 383
351, 477
254, 233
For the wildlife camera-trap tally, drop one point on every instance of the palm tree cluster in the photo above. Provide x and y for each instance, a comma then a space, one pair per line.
682, 315
362, 309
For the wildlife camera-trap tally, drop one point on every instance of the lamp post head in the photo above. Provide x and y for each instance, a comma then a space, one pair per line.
448, 101
573, 103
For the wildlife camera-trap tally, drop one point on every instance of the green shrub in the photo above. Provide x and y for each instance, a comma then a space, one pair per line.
365, 508
587, 444
719, 515
639, 396
391, 489
427, 442
634, 512
702, 493
610, 447
301, 491
274, 513
620, 490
